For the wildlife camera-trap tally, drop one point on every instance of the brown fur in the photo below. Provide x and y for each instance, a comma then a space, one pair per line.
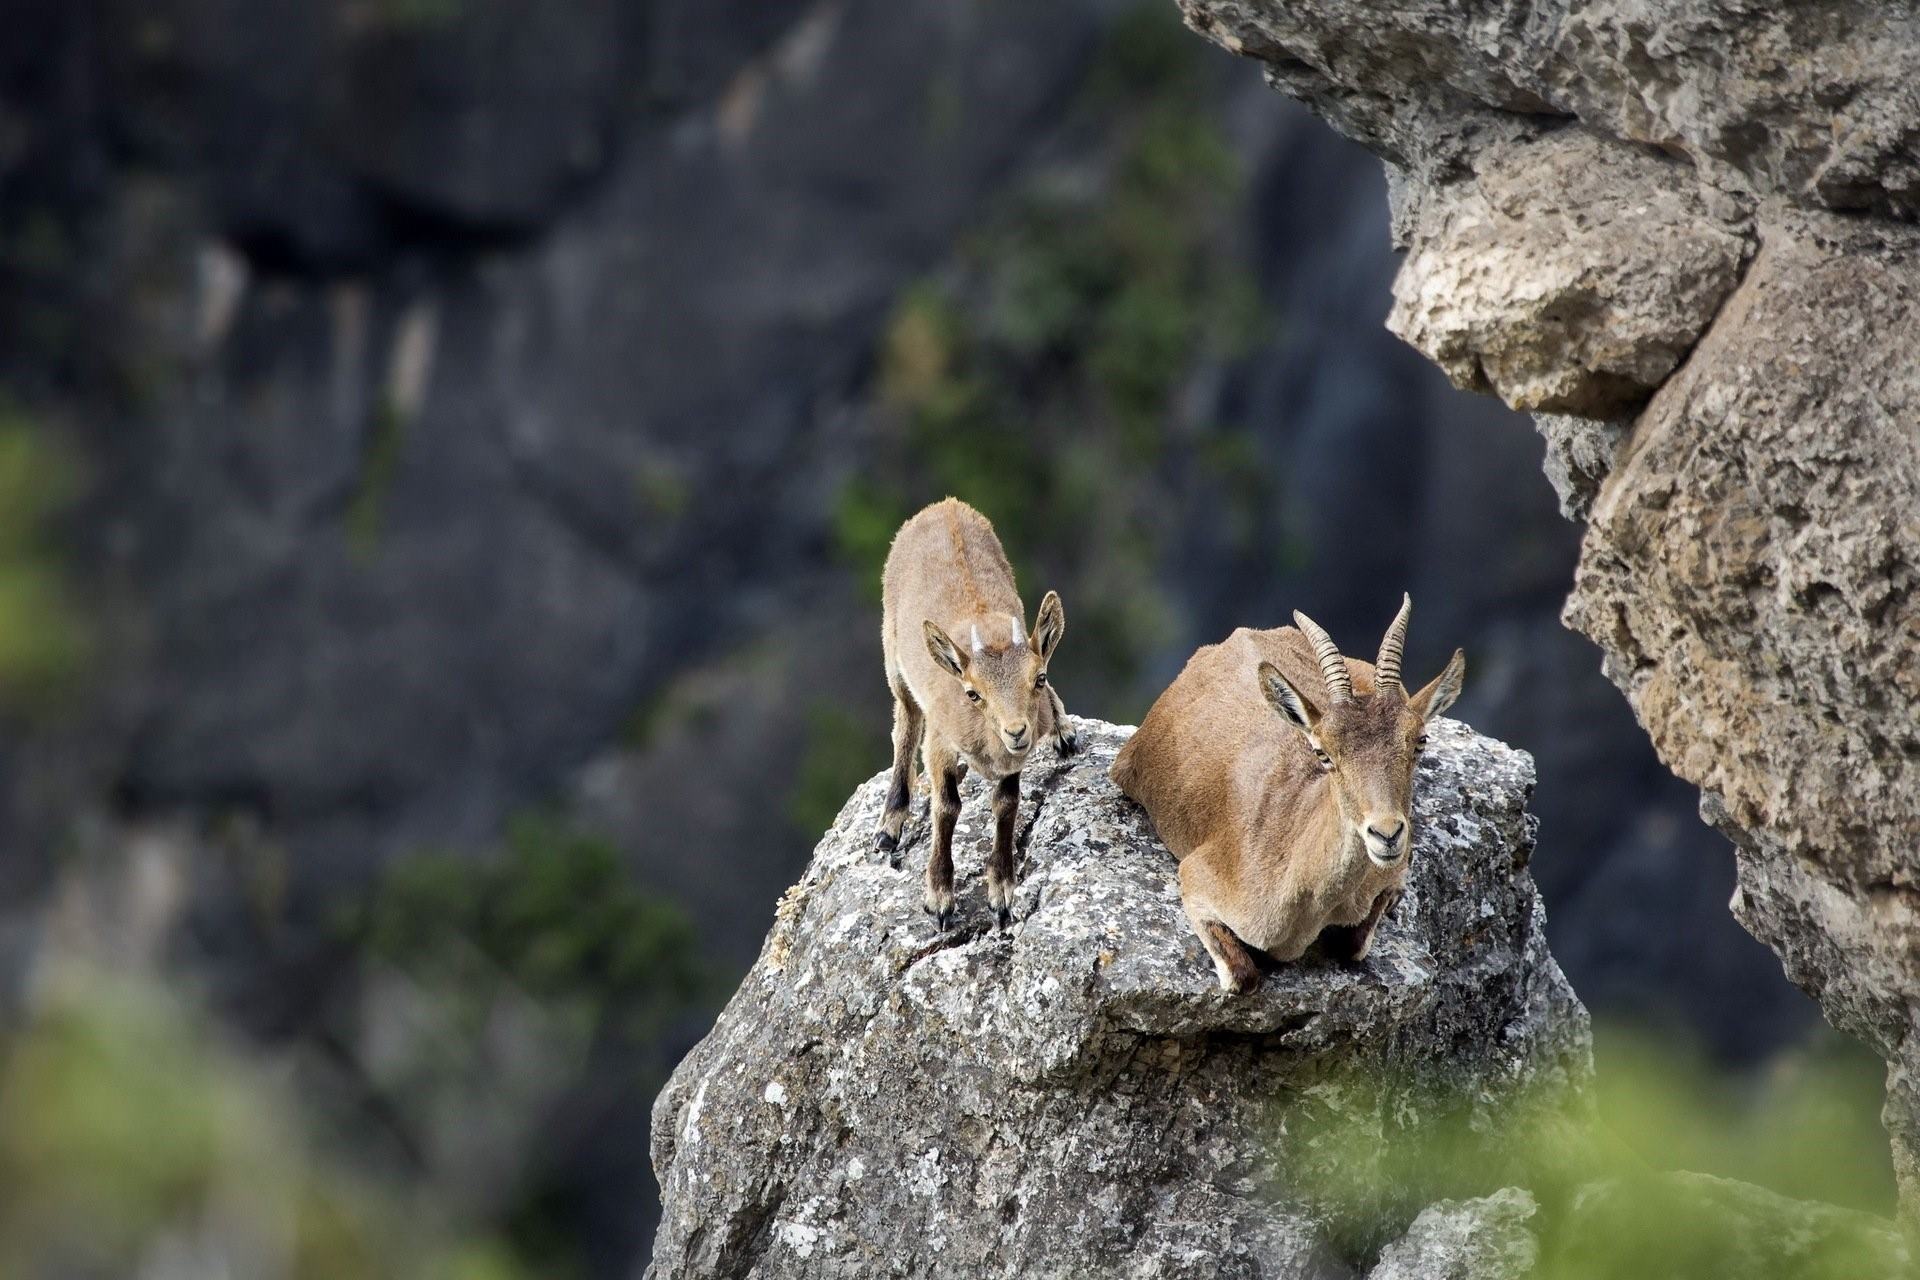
953, 623
1273, 844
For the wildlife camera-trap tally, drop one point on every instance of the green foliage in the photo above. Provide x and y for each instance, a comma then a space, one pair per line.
1634, 1185
44, 643
662, 491
1038, 378
554, 915
840, 753
367, 508
527, 970
129, 1134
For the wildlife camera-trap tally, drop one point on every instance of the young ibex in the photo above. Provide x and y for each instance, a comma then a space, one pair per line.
967, 678
1281, 775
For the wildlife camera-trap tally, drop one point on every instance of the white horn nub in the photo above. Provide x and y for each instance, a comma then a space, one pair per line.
1019, 629
1333, 667
1386, 674
977, 646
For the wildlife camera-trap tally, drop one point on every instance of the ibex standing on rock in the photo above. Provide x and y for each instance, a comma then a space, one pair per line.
968, 679
1280, 773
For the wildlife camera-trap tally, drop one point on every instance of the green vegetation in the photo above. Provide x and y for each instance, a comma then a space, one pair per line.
1628, 1186
842, 751
662, 490
521, 974
132, 1142
1037, 377
44, 643
554, 915
367, 508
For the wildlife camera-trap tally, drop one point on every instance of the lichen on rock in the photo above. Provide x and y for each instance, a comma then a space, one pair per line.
1075, 1095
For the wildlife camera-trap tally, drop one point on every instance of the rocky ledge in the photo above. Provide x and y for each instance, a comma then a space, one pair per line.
1075, 1095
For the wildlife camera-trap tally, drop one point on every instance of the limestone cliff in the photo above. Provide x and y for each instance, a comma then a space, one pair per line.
1685, 234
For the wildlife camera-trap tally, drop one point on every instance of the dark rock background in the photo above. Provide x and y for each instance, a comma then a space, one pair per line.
486, 408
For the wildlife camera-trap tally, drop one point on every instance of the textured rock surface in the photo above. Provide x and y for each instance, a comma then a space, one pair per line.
1754, 548
1076, 1096
1569, 274
1490, 1238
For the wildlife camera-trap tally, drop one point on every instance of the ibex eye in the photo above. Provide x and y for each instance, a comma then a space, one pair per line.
1040, 681
1321, 755
973, 695
1420, 742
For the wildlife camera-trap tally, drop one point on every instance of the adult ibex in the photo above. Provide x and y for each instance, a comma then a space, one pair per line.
969, 680
1280, 773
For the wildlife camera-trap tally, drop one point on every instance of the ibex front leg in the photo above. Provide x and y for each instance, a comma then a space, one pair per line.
1065, 741
1352, 942
944, 769
1006, 808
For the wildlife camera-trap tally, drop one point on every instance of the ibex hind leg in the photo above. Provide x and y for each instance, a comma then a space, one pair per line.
908, 724
1065, 741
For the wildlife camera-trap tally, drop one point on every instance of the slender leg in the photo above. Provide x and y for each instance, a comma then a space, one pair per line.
944, 770
1352, 942
1000, 881
907, 724
1065, 741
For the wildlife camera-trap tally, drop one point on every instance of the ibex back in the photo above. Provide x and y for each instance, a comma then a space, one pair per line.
969, 680
1280, 773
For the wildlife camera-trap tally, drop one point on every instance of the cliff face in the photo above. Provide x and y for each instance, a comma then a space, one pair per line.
1075, 1095
1692, 227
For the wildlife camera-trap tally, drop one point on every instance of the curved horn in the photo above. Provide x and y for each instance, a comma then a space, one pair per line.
1333, 667
1386, 674
977, 646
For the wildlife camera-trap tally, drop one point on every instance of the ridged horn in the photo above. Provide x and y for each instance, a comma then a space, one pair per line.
1333, 667
1386, 673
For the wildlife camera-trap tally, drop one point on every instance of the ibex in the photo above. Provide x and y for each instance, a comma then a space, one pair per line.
1280, 774
968, 679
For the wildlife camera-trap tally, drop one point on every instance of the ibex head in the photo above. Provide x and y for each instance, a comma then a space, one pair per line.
1367, 744
1005, 676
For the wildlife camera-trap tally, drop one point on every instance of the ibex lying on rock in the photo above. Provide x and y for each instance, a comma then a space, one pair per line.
968, 679
1281, 775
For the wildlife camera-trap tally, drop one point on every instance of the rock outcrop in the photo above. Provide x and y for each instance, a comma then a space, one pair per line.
1075, 1095
1694, 224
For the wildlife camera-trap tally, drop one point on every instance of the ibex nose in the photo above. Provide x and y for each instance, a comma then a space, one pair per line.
1016, 732
1383, 846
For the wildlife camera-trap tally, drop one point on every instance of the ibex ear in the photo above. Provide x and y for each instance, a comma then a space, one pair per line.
1286, 699
1049, 625
1439, 695
945, 655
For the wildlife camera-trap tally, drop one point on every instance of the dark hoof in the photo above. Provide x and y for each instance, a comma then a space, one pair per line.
1067, 744
942, 919
1003, 917
889, 844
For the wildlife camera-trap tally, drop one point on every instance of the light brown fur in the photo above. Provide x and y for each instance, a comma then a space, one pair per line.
1277, 847
970, 685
